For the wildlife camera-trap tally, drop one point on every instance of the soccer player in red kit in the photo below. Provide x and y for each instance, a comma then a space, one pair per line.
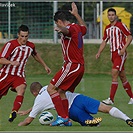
120, 38
13, 58
72, 70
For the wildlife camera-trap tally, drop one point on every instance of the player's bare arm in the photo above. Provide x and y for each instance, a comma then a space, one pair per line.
102, 46
24, 112
75, 13
128, 42
26, 122
38, 58
6, 62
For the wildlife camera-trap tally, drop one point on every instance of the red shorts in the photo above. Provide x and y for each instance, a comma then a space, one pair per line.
118, 61
7, 81
68, 77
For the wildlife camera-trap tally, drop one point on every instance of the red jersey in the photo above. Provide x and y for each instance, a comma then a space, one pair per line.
13, 51
72, 44
116, 35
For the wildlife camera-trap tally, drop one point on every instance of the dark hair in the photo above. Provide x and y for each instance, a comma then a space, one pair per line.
23, 28
112, 10
61, 15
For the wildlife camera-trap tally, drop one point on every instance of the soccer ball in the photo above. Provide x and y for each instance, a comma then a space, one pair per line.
46, 118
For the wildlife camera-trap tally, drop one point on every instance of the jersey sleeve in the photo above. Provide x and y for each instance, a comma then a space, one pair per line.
37, 108
6, 50
72, 29
125, 30
105, 37
34, 52
83, 29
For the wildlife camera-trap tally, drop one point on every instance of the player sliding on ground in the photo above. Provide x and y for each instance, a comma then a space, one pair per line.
78, 104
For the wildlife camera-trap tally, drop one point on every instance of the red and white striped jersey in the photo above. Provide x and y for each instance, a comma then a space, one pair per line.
13, 51
72, 44
116, 35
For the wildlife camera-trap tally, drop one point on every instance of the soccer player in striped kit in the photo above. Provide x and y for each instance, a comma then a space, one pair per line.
13, 58
72, 70
120, 38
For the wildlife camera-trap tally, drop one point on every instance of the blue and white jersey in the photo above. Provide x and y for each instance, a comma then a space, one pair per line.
71, 96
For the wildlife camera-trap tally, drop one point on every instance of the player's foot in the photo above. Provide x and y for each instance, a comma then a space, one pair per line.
12, 116
108, 101
130, 101
130, 122
59, 121
94, 122
69, 123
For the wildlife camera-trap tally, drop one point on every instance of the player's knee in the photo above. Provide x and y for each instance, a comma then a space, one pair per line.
104, 108
51, 89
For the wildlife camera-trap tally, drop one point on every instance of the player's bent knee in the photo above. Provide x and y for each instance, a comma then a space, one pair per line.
104, 108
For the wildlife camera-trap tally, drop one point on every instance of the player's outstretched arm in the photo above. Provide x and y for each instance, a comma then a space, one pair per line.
6, 62
102, 46
26, 122
38, 58
74, 12
128, 42
24, 112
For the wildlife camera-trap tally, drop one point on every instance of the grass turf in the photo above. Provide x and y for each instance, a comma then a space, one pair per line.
96, 86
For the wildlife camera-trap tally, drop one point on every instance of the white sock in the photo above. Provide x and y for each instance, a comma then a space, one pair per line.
118, 114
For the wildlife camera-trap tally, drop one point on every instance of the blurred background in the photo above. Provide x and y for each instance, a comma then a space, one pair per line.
38, 15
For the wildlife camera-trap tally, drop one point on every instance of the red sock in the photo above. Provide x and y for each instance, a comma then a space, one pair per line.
17, 103
128, 89
113, 90
65, 105
58, 104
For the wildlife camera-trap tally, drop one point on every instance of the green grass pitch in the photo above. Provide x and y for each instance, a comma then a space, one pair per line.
96, 86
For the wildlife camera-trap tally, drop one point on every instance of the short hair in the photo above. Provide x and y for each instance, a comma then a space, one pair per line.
61, 15
23, 28
112, 10
35, 86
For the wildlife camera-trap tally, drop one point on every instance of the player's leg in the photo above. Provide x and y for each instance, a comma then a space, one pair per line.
114, 84
116, 66
19, 86
113, 88
5, 83
115, 112
75, 113
85, 106
126, 86
65, 80
64, 100
56, 99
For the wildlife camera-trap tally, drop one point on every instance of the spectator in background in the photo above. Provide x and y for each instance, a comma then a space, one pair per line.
120, 38
72, 71
13, 58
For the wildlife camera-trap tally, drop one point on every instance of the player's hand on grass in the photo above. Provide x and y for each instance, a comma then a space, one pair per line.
21, 113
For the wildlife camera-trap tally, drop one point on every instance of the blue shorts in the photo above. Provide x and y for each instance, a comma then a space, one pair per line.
82, 107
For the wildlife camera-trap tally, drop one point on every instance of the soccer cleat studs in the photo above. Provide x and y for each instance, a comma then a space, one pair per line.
94, 122
130, 122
